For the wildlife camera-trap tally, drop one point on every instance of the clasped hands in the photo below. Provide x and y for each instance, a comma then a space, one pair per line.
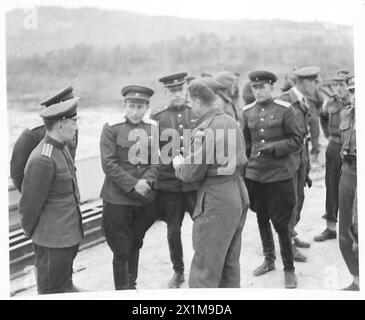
142, 187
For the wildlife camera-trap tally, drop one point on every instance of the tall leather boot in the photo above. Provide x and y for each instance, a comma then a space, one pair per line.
121, 274
288, 259
267, 240
133, 269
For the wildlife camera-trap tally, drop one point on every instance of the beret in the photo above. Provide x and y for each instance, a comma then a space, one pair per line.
211, 83
307, 72
226, 78
137, 92
262, 76
62, 110
61, 95
173, 80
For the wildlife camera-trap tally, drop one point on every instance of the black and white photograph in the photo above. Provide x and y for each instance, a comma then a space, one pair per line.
155, 148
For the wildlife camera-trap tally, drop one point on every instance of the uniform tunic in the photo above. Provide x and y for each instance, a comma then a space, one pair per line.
49, 203
330, 121
348, 190
301, 109
128, 153
222, 200
273, 136
175, 197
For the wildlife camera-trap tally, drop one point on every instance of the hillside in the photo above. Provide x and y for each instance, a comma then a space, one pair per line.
62, 28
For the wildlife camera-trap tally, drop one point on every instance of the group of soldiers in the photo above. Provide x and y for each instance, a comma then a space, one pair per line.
265, 167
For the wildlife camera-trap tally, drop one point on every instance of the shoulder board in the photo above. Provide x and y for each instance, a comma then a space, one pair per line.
158, 110
150, 121
282, 103
249, 106
47, 150
36, 126
116, 121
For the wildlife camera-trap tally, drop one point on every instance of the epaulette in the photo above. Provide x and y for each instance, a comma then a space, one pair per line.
249, 106
150, 121
36, 126
158, 110
282, 103
47, 150
117, 121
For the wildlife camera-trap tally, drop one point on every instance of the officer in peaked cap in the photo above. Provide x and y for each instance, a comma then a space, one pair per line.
129, 158
308, 79
30, 138
330, 118
175, 197
49, 204
229, 95
295, 96
272, 136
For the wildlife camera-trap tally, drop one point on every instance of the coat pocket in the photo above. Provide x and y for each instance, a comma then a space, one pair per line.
199, 206
63, 183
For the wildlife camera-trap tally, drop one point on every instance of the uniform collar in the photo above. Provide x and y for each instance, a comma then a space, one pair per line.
178, 107
55, 143
132, 123
265, 103
214, 111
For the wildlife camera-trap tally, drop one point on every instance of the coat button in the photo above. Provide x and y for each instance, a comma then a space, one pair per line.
262, 141
262, 119
179, 115
262, 130
181, 126
262, 110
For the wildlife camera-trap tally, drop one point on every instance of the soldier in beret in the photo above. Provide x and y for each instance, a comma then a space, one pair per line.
229, 94
272, 134
330, 118
222, 200
175, 197
49, 203
129, 161
348, 231
30, 138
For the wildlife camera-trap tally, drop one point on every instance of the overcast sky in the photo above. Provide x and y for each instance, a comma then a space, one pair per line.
335, 11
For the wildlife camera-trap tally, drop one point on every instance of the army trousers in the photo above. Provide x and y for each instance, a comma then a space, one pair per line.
314, 130
54, 268
299, 185
347, 211
171, 209
275, 202
332, 179
124, 228
219, 217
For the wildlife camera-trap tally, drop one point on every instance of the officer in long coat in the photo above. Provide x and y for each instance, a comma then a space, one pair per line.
330, 121
272, 134
175, 197
49, 204
129, 160
215, 159
348, 232
31, 137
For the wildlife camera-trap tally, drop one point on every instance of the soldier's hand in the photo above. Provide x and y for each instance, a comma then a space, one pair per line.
177, 161
142, 187
269, 149
308, 181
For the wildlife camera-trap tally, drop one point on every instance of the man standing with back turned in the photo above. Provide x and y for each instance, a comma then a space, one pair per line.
215, 159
